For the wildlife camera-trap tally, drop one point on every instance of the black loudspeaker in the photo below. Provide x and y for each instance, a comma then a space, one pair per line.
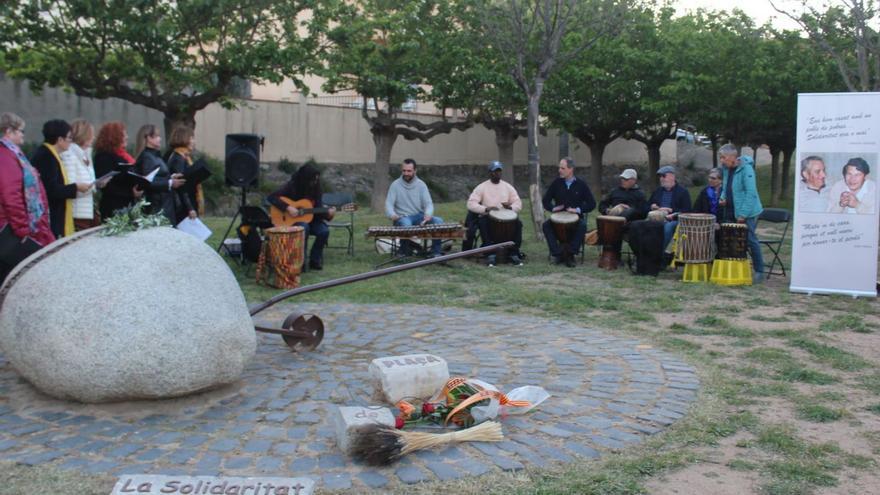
243, 159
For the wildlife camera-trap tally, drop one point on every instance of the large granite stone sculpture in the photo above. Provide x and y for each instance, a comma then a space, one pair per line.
151, 314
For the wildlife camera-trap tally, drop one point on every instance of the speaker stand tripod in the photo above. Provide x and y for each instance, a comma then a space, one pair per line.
232, 223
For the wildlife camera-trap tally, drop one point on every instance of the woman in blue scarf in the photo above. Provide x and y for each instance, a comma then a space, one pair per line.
707, 201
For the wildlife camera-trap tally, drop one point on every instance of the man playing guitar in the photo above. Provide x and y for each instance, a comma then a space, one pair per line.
298, 202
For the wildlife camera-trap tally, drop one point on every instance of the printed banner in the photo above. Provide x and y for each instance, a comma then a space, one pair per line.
834, 244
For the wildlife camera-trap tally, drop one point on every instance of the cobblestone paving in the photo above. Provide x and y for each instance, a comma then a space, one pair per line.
607, 393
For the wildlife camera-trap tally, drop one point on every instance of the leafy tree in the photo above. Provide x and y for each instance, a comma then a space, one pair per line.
793, 65
392, 52
848, 32
175, 57
529, 35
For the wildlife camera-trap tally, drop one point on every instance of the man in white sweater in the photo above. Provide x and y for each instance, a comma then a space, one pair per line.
409, 203
491, 195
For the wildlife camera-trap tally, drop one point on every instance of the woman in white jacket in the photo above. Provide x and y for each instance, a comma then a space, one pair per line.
78, 167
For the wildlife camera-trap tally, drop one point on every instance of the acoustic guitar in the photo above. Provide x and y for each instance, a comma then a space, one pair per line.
307, 211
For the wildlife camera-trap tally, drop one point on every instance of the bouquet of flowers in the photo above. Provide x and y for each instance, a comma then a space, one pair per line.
465, 402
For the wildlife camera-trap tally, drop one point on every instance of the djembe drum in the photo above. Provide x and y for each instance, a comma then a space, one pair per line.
610, 237
733, 243
657, 216
564, 226
284, 251
695, 233
502, 228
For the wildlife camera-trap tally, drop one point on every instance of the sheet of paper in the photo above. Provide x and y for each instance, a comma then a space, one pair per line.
194, 228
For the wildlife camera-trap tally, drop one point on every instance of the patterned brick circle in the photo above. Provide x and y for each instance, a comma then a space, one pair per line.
607, 392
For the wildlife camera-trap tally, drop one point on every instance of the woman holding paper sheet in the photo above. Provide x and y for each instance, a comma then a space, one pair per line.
181, 144
24, 206
60, 189
110, 154
164, 190
78, 166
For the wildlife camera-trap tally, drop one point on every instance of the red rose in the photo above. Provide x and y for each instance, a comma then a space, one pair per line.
427, 408
398, 422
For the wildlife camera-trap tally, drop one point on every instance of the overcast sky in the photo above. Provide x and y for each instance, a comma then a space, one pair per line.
759, 10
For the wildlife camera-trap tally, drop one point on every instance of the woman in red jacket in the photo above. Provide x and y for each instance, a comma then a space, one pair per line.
24, 207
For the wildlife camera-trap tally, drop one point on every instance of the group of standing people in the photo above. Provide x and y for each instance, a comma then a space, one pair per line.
53, 193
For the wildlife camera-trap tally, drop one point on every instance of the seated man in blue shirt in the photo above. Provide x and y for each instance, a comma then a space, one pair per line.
671, 199
570, 194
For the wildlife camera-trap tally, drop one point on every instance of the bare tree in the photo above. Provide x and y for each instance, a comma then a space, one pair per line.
537, 37
845, 32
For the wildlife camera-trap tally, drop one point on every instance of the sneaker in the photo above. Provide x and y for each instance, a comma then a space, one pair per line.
570, 262
490, 260
556, 260
758, 278
516, 260
316, 265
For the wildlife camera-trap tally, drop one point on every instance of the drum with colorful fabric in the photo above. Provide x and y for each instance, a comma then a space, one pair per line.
284, 251
733, 244
610, 236
695, 235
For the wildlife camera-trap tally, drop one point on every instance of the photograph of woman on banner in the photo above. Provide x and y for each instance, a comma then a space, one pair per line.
855, 193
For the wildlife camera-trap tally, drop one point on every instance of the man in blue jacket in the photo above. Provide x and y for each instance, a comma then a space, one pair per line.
569, 194
671, 199
740, 200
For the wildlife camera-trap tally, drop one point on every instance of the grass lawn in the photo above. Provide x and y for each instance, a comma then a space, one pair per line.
788, 403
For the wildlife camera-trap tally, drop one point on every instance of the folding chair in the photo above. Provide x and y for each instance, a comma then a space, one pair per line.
774, 244
339, 200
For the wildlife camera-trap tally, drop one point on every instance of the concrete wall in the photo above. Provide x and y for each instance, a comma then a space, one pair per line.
298, 131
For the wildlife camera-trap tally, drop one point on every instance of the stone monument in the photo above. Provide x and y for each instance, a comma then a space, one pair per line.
151, 314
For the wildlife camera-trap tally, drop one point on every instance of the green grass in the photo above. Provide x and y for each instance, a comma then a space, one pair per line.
837, 358
847, 322
818, 413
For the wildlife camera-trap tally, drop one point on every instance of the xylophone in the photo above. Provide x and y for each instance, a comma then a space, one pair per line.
431, 231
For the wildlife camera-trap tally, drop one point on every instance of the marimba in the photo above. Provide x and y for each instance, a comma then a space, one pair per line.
393, 234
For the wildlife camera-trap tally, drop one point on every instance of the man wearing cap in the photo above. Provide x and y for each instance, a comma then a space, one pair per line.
495, 194
671, 199
572, 195
625, 200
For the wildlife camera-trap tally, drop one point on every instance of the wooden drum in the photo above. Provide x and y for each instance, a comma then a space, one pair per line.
502, 225
564, 225
610, 236
733, 244
502, 228
284, 251
695, 235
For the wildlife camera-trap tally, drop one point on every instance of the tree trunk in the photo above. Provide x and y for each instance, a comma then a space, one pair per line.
653, 160
564, 145
714, 140
785, 188
597, 150
174, 118
535, 161
774, 175
504, 140
383, 138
